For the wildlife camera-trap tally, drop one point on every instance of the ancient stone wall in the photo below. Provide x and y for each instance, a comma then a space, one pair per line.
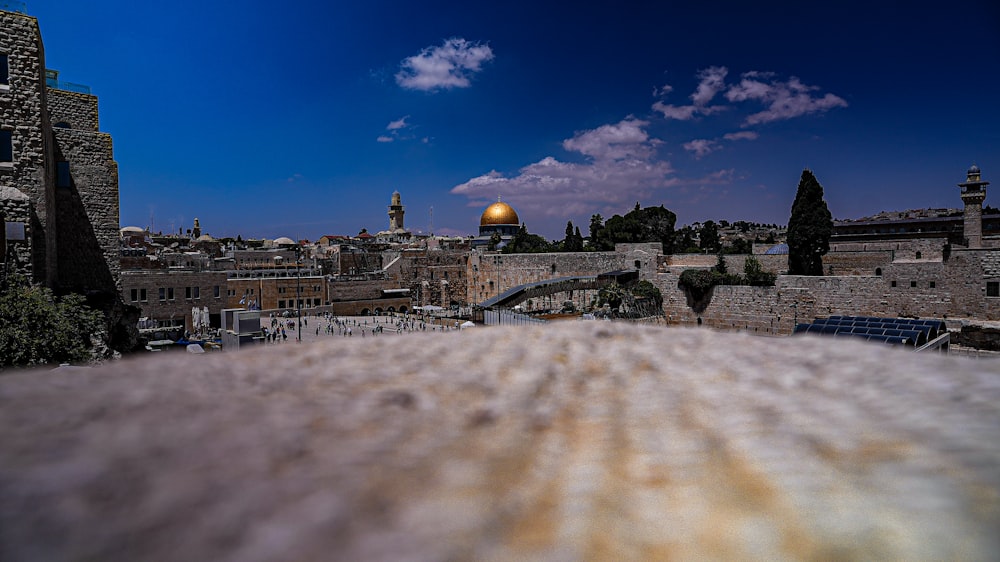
870, 262
434, 277
734, 262
72, 110
87, 207
356, 289
22, 111
921, 288
15, 207
489, 274
901, 248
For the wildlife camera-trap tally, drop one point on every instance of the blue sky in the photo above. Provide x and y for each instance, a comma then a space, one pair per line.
300, 118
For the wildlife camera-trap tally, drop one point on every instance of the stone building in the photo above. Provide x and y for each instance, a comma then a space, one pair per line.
58, 176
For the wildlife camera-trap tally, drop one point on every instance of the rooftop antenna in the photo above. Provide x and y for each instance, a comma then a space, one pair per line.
430, 223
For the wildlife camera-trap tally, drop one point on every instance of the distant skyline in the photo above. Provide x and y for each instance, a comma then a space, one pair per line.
300, 119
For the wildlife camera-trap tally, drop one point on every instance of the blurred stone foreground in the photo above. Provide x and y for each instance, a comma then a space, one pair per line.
580, 441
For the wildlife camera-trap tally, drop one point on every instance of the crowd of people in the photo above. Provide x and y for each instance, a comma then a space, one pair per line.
277, 329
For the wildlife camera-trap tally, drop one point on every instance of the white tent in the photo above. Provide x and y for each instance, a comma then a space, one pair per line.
467, 324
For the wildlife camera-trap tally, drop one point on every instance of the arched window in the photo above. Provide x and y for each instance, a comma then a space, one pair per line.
878, 271
918, 255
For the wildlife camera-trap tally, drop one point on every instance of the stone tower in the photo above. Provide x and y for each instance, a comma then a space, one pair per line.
395, 213
973, 195
58, 176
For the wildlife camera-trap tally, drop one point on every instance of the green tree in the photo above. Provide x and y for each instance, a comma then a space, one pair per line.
573, 242
720, 264
650, 224
525, 243
37, 328
495, 240
754, 274
710, 237
646, 290
596, 226
809, 228
739, 246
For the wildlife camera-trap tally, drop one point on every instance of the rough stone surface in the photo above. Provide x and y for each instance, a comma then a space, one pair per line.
574, 441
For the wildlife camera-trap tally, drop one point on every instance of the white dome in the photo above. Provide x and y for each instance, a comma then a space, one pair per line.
284, 241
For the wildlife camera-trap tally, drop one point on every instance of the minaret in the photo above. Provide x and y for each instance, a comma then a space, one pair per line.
196, 231
973, 194
395, 213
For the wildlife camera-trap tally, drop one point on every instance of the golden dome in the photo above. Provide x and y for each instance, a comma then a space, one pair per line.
499, 213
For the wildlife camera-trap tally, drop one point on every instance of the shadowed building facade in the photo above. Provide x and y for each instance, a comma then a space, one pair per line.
58, 177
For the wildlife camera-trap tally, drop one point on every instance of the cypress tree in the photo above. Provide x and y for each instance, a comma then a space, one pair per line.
809, 228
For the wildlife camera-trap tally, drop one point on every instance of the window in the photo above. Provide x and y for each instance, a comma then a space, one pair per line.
993, 288
6, 146
932, 284
134, 294
142, 295
63, 178
163, 294
170, 293
63, 125
187, 292
893, 284
918, 255
4, 70
196, 291
913, 284
878, 271
281, 290
281, 304
218, 291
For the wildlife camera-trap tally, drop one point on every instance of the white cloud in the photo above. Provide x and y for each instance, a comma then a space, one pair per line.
612, 142
666, 89
712, 81
679, 112
785, 100
742, 135
701, 147
398, 124
383, 138
620, 167
447, 66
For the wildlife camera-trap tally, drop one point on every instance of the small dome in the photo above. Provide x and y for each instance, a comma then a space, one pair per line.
499, 213
974, 169
205, 238
777, 250
284, 241
132, 230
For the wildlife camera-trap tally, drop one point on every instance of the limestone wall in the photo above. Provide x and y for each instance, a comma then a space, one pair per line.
926, 288
490, 274
87, 210
569, 441
22, 111
142, 289
75, 109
